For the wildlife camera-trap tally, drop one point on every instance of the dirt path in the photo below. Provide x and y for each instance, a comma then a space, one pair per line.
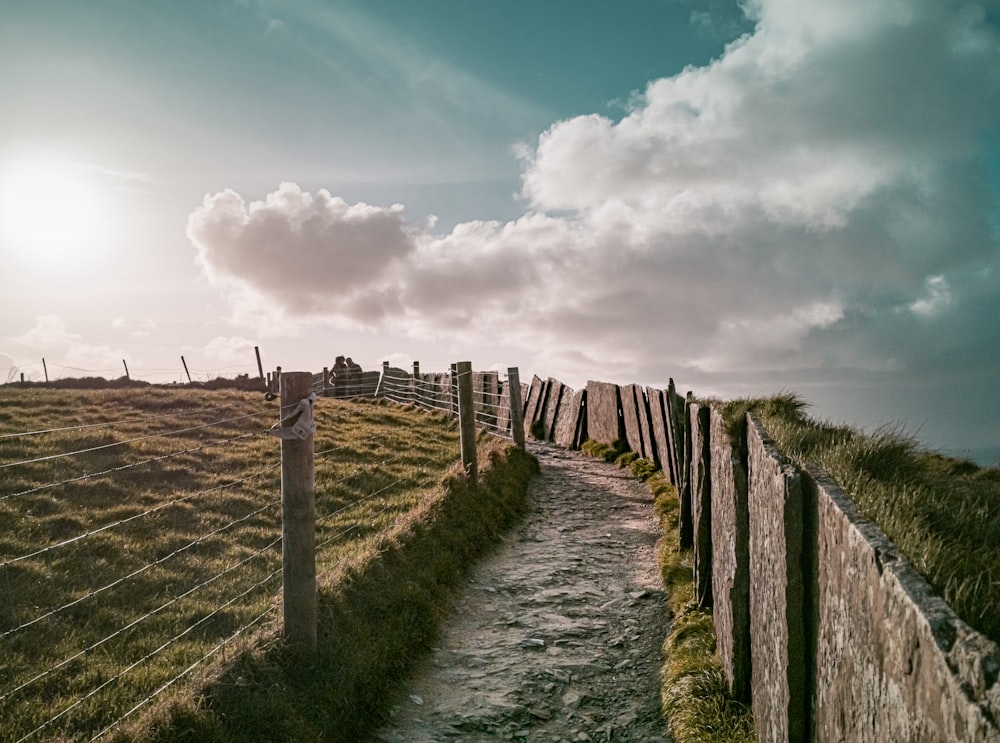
557, 636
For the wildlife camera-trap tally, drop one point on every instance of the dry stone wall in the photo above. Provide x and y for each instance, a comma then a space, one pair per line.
893, 661
819, 619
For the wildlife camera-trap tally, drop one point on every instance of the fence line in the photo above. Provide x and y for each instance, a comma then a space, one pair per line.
227, 587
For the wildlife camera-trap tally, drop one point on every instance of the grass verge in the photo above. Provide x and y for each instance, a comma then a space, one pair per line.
695, 700
379, 610
140, 538
942, 513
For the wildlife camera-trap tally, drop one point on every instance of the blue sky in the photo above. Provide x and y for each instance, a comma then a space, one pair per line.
745, 197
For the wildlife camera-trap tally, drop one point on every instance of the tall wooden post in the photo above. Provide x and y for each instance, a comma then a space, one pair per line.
516, 408
298, 520
466, 418
326, 381
126, 369
46, 370
260, 366
186, 369
415, 387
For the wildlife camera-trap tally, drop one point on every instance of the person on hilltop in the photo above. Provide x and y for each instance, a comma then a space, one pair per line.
353, 378
338, 377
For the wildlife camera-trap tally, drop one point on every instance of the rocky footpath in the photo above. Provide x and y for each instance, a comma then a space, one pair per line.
557, 635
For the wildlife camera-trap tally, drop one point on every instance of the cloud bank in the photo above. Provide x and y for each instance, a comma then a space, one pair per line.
816, 201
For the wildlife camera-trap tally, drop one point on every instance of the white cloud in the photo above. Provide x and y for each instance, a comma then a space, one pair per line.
51, 338
773, 210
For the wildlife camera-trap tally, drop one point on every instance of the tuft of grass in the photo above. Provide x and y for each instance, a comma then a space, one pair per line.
607, 452
942, 513
694, 695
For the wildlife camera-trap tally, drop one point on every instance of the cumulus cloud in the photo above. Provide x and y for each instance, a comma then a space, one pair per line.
312, 254
816, 199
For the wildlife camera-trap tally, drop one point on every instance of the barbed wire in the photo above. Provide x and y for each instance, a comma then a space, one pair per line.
137, 439
135, 517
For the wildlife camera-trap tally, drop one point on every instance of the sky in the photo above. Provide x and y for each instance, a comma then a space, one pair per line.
746, 197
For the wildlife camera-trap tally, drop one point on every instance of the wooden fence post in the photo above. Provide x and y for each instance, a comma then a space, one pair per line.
298, 519
416, 383
454, 389
516, 407
466, 418
326, 381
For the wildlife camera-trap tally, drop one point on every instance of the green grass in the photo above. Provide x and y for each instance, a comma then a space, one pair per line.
695, 700
206, 516
942, 513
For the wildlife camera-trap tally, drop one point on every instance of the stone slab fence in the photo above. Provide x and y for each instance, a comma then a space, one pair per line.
821, 623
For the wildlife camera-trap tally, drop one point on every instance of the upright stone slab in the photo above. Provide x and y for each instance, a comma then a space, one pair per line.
893, 662
777, 593
630, 412
701, 502
568, 420
661, 446
485, 387
395, 384
503, 411
645, 424
535, 402
557, 392
686, 520
730, 559
676, 407
603, 421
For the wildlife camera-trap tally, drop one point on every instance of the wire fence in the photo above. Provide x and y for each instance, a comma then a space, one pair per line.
129, 560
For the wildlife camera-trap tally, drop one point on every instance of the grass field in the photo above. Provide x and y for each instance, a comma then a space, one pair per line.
141, 531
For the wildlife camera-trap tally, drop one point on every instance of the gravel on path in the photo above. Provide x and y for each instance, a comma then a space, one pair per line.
557, 636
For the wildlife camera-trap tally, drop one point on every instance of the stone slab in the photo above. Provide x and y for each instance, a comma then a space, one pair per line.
554, 400
567, 431
503, 412
604, 422
396, 385
630, 395
645, 424
486, 397
658, 421
779, 676
730, 559
682, 443
892, 660
536, 400
701, 502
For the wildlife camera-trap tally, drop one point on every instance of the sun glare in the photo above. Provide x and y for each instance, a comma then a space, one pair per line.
52, 209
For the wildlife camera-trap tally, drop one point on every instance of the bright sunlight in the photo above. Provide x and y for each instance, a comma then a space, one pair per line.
52, 209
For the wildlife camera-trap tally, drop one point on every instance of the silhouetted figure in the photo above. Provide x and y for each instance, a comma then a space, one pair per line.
338, 377
353, 378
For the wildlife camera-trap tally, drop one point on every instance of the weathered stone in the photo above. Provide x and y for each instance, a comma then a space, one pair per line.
557, 392
730, 559
777, 593
630, 413
661, 446
604, 422
536, 399
681, 435
892, 660
645, 424
486, 396
568, 421
503, 411
395, 385
701, 501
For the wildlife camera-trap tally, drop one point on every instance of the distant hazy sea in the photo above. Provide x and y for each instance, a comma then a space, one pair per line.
984, 457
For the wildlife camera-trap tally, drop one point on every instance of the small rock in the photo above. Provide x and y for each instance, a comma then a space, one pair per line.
531, 642
415, 699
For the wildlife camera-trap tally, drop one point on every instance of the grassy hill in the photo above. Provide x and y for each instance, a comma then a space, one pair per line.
140, 560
